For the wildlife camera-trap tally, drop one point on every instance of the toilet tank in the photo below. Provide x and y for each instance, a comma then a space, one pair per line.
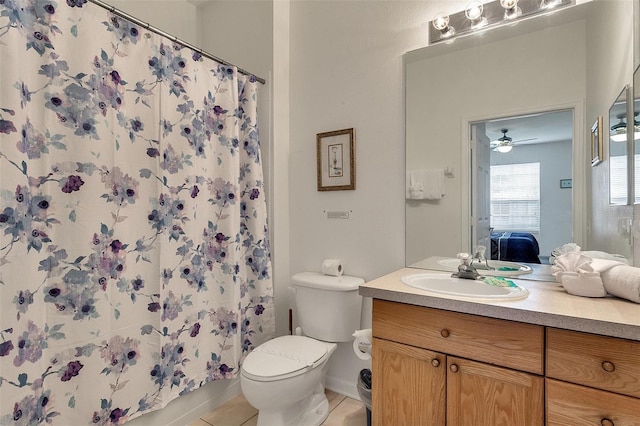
328, 307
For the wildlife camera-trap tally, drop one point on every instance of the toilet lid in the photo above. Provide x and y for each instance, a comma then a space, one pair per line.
283, 357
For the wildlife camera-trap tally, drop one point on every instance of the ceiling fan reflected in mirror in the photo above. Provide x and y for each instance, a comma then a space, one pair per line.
505, 144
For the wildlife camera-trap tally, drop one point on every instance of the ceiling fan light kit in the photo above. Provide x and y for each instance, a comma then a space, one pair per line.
504, 143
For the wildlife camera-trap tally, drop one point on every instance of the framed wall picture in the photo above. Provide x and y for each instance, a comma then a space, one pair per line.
596, 142
336, 160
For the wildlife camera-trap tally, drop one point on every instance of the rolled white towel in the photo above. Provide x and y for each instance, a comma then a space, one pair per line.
623, 281
586, 284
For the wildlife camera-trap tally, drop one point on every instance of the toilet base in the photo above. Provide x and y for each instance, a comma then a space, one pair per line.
311, 411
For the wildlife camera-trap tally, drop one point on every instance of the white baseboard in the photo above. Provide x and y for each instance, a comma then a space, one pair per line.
344, 387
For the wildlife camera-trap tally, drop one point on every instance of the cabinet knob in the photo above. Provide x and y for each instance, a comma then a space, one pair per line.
609, 367
435, 362
444, 333
454, 368
606, 422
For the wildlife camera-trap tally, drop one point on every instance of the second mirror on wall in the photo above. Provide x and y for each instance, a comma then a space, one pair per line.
636, 136
618, 150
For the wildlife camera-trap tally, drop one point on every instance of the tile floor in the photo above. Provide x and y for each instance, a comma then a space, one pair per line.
343, 411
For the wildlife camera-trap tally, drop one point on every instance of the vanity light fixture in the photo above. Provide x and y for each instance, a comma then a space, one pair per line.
479, 16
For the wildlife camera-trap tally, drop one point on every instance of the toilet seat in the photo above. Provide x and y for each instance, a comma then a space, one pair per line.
284, 357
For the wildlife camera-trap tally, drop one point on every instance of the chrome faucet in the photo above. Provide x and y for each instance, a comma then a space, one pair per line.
466, 269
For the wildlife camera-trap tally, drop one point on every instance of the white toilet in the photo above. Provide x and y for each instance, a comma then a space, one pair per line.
284, 378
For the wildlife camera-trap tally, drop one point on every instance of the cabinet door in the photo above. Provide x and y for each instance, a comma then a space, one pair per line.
573, 405
408, 385
483, 395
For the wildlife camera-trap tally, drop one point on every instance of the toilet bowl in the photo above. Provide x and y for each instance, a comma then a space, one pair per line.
284, 378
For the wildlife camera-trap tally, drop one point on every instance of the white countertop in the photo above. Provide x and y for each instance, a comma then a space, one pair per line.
548, 304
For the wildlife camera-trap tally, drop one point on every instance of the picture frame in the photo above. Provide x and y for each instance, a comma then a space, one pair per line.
596, 142
335, 153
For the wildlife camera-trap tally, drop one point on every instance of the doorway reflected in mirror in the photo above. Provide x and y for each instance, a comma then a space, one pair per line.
520, 211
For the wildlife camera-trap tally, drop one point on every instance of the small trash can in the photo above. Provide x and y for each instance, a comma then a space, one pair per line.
364, 390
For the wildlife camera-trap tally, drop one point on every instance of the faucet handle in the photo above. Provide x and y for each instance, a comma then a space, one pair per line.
465, 258
479, 252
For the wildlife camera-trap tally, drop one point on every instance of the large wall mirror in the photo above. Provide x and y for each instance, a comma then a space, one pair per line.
636, 136
618, 150
513, 80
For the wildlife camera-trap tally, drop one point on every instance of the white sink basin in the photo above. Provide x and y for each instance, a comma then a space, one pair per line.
470, 289
501, 268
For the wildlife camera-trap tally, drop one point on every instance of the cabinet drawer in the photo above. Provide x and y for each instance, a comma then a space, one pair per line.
572, 405
601, 362
505, 343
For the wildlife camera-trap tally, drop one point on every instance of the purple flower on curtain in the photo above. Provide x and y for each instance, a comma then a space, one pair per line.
32, 142
223, 192
6, 347
72, 370
124, 31
226, 320
22, 301
122, 188
119, 354
71, 183
30, 345
33, 409
7, 127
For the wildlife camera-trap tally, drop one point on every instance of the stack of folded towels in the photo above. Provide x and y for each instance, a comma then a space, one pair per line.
595, 274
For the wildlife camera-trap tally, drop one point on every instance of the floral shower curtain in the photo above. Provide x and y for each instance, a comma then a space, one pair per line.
134, 255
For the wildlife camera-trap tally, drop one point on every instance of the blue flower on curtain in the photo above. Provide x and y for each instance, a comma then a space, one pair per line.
134, 253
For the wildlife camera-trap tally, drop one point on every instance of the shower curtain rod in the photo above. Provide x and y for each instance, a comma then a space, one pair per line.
175, 39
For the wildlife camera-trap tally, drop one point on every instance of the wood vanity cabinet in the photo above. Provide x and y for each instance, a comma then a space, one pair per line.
434, 367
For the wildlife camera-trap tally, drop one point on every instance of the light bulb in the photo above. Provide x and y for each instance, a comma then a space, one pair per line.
503, 149
511, 9
441, 22
474, 10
